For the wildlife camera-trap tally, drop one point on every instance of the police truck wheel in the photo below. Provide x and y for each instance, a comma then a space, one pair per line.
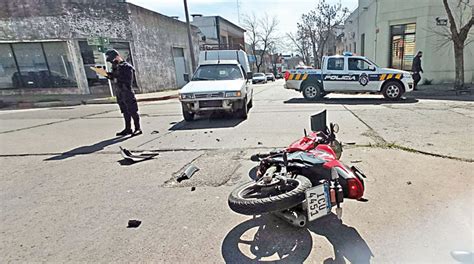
393, 90
312, 92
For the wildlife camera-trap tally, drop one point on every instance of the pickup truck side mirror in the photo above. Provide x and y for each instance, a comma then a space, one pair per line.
186, 77
372, 68
249, 75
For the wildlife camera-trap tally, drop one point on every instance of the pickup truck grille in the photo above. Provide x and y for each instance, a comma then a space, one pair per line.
210, 103
209, 95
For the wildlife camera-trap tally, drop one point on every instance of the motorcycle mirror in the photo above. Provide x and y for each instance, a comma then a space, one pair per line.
335, 128
334, 174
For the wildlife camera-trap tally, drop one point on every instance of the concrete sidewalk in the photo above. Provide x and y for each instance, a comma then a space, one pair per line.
38, 101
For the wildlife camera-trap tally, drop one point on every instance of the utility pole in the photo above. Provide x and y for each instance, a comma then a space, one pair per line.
190, 39
238, 11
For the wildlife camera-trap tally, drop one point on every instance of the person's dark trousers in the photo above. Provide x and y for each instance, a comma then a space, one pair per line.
127, 116
416, 78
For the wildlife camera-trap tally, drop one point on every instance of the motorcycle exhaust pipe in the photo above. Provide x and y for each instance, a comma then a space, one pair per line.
295, 218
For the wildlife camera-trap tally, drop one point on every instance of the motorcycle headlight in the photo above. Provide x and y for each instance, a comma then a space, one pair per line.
186, 96
233, 94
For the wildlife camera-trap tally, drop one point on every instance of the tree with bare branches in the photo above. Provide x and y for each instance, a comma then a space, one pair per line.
458, 34
262, 34
319, 25
302, 45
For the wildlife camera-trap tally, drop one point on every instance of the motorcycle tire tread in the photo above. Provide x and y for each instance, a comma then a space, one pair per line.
269, 204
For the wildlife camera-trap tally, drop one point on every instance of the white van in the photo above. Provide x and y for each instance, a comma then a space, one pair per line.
220, 83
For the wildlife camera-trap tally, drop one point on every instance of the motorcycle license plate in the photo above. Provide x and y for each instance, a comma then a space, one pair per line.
318, 202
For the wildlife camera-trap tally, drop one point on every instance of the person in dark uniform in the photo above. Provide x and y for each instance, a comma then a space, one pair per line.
122, 76
416, 68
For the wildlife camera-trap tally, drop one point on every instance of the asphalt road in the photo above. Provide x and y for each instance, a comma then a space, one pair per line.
66, 194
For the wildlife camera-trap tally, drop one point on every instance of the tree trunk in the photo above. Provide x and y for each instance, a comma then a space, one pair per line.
459, 66
315, 51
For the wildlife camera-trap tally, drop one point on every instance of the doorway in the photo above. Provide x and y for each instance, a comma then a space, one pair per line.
402, 48
180, 66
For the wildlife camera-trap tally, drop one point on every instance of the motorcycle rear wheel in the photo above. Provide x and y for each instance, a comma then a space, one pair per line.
241, 204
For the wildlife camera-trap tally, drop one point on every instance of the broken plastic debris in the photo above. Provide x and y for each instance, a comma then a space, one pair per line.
136, 157
218, 140
188, 173
134, 223
356, 161
155, 132
193, 189
408, 182
259, 143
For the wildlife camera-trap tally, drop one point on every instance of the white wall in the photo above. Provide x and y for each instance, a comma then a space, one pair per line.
374, 18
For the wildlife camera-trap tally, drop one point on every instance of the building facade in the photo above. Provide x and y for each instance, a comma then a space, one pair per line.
391, 32
219, 32
48, 47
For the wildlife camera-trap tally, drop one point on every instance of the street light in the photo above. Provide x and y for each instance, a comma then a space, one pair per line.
191, 49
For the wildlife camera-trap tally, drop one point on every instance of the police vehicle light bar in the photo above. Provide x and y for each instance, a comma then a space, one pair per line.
347, 53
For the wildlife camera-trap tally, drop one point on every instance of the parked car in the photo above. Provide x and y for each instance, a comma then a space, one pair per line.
279, 76
259, 78
270, 77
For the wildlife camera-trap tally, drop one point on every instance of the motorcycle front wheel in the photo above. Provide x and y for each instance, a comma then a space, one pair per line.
249, 199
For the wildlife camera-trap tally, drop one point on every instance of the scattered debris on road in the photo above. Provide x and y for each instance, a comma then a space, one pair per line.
350, 143
155, 132
259, 143
356, 161
136, 157
188, 173
134, 223
193, 189
408, 182
218, 140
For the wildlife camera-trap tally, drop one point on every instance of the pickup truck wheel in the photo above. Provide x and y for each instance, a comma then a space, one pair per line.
188, 116
312, 92
393, 90
242, 112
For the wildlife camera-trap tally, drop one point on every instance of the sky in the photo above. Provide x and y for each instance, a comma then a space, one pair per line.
288, 12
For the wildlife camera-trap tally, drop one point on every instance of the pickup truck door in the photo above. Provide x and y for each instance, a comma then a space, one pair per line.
363, 76
334, 74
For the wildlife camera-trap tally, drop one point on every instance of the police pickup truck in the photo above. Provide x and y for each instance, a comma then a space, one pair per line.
220, 83
349, 74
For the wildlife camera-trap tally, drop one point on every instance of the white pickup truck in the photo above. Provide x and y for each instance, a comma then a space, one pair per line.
349, 74
220, 83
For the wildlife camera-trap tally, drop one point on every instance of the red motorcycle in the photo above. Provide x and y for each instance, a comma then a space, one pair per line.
303, 182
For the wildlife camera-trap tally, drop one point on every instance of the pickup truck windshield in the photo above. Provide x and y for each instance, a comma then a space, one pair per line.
218, 72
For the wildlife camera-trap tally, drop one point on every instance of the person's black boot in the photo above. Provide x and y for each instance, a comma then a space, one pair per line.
126, 131
137, 132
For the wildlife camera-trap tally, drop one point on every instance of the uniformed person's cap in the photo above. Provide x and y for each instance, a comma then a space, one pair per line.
111, 54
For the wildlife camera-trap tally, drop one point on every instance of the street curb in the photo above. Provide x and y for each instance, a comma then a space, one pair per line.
114, 100
111, 100
161, 98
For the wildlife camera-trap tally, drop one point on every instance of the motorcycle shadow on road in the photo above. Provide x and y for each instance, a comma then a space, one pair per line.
214, 120
346, 240
266, 239
353, 101
269, 239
